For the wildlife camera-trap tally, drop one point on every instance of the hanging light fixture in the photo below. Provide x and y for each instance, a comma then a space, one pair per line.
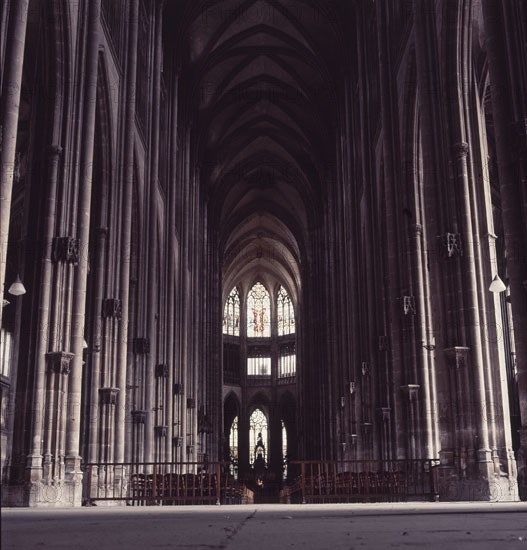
497, 285
17, 288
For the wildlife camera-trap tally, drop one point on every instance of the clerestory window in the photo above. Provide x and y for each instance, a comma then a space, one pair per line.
258, 312
286, 313
231, 314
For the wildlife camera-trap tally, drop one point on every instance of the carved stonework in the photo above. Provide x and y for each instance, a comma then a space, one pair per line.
178, 389
457, 356
451, 245
460, 150
108, 396
66, 250
138, 417
161, 431
161, 371
141, 346
367, 427
59, 362
111, 307
521, 135
55, 151
411, 390
204, 422
385, 414
408, 305
365, 368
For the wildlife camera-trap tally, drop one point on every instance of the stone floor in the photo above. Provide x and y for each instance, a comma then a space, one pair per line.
253, 527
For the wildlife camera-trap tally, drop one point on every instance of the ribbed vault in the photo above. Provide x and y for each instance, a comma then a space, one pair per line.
260, 75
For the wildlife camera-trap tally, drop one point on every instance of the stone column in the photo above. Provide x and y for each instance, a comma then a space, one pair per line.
34, 462
73, 472
95, 347
126, 230
12, 85
394, 282
436, 214
412, 420
509, 113
469, 267
171, 280
152, 316
426, 342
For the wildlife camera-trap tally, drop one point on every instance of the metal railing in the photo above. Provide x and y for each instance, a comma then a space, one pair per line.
362, 481
167, 483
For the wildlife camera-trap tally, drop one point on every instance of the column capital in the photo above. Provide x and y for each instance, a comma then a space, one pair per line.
411, 390
457, 356
59, 362
520, 134
112, 307
139, 417
66, 250
55, 151
161, 431
460, 150
108, 396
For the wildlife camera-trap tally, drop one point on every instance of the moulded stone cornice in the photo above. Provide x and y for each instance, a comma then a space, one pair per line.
59, 362
411, 390
108, 396
457, 356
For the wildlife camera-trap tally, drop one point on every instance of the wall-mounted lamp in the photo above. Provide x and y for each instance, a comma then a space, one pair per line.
497, 285
17, 288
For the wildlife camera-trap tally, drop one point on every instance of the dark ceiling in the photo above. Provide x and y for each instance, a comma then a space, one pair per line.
261, 77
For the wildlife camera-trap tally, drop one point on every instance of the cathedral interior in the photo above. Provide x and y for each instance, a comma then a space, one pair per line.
276, 244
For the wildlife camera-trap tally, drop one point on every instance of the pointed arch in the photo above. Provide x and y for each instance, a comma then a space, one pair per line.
285, 313
231, 313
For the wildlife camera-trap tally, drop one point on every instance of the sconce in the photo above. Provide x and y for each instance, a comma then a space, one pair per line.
18, 289
429, 346
409, 305
497, 285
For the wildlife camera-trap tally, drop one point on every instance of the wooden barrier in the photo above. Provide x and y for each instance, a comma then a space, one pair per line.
362, 481
163, 484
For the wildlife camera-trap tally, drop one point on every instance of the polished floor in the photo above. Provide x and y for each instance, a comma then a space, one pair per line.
340, 526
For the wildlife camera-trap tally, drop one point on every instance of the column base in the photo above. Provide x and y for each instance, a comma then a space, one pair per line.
43, 494
63, 491
454, 487
521, 462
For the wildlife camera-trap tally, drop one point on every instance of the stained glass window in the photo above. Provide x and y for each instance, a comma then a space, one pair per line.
258, 433
233, 447
286, 313
259, 366
258, 312
285, 459
231, 314
287, 364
